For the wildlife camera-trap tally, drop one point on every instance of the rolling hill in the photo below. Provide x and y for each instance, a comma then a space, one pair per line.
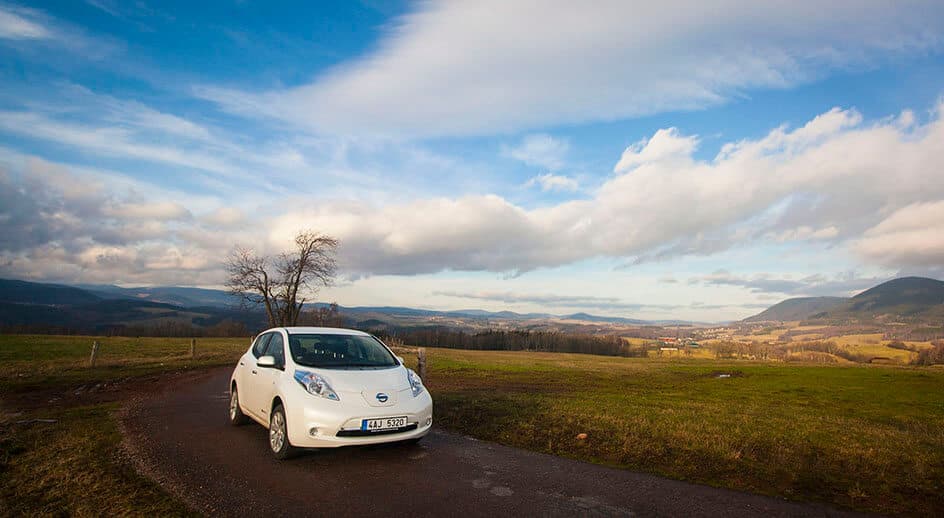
905, 298
25, 292
799, 308
909, 298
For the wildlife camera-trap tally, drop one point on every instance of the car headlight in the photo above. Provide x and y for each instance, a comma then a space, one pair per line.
416, 384
316, 385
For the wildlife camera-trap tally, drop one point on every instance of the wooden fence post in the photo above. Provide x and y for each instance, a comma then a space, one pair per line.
421, 363
94, 354
193, 348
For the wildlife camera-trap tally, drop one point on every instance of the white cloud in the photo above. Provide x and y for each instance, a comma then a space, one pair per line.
65, 224
540, 150
472, 68
159, 210
553, 182
877, 175
843, 284
911, 236
226, 217
20, 24
666, 144
667, 204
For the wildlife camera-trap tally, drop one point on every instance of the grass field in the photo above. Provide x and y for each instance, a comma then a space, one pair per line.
35, 361
867, 437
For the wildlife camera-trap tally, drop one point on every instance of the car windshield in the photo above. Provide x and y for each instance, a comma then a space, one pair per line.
339, 351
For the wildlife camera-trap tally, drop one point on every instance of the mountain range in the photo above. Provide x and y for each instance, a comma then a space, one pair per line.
100, 308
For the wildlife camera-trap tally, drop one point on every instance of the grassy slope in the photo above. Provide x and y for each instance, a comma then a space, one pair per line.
867, 437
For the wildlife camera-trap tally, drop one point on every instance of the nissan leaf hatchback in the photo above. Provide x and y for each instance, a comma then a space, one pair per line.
316, 387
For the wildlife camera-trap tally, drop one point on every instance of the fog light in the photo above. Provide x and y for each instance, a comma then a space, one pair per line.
313, 431
429, 421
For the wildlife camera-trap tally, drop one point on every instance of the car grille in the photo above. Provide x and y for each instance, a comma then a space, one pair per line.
368, 433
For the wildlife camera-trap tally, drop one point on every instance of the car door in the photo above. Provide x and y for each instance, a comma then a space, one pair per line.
268, 377
250, 395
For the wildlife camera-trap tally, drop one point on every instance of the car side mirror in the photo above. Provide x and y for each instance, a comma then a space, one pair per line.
400, 359
266, 361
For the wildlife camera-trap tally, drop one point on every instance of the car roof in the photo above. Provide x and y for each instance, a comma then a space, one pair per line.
323, 331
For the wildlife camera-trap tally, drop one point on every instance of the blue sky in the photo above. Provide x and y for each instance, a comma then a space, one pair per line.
668, 160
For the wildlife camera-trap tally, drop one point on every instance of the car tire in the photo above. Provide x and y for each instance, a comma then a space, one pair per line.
236, 415
278, 435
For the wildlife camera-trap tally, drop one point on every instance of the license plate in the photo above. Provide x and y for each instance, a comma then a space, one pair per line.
383, 423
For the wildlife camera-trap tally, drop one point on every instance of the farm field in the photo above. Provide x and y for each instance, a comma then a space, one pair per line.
795, 337
863, 436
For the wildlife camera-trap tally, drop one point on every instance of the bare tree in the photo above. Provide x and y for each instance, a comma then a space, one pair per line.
279, 283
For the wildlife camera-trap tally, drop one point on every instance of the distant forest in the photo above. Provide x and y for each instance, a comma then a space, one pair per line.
499, 340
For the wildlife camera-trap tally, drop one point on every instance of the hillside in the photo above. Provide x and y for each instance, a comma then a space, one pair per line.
907, 298
187, 297
24, 292
914, 299
799, 308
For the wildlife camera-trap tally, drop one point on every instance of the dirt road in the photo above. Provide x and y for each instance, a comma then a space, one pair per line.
181, 438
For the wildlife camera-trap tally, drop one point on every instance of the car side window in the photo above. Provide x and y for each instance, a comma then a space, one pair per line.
259, 347
276, 349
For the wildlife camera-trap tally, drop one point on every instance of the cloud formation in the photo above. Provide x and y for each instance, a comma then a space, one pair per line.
874, 187
20, 24
553, 182
64, 225
582, 302
449, 69
540, 150
845, 284
826, 181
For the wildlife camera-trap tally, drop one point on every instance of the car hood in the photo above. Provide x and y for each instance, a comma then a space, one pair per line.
365, 380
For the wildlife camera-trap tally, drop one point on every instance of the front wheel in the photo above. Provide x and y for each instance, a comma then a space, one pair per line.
236, 415
278, 435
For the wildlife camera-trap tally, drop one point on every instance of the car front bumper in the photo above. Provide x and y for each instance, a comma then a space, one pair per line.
317, 423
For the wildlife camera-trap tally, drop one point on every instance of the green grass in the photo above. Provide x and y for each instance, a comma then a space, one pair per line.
73, 467
866, 437
29, 362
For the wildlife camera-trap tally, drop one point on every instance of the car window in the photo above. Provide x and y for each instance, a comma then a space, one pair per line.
260, 345
276, 349
339, 351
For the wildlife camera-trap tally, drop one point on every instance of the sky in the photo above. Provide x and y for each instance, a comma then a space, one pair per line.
666, 160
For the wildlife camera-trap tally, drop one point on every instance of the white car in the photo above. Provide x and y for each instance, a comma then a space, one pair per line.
316, 387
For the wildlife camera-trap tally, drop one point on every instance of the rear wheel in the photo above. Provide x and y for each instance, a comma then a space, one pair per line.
278, 435
236, 415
